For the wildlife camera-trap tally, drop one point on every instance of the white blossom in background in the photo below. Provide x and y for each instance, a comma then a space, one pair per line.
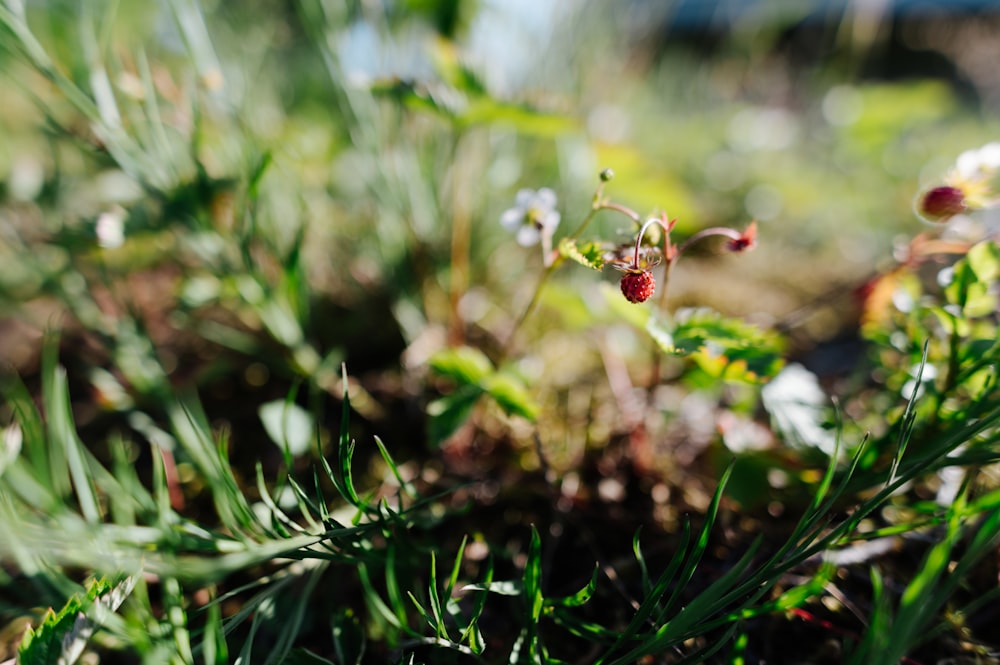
978, 164
534, 216
110, 228
26, 179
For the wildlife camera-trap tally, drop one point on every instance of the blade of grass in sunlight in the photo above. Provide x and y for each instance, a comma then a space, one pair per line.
691, 563
908, 420
471, 634
936, 580
647, 587
651, 607
213, 648
651, 602
533, 598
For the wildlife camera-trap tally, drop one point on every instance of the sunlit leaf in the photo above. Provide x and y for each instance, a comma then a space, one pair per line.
62, 636
474, 373
511, 395
984, 260
725, 348
973, 279
588, 254
464, 364
450, 67
580, 597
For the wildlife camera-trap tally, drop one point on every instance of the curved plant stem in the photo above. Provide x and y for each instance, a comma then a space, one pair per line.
661, 306
552, 259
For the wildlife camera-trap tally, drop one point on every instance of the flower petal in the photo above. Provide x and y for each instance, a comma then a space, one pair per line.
524, 199
545, 199
967, 165
989, 155
512, 218
550, 220
528, 235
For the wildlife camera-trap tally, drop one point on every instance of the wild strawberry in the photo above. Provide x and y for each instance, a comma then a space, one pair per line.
942, 203
638, 285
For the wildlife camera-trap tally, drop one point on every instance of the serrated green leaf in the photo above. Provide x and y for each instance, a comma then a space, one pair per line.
663, 338
43, 645
63, 635
589, 254
973, 279
950, 322
725, 348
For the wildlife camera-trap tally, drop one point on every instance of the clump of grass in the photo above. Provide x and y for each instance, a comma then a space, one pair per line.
72, 513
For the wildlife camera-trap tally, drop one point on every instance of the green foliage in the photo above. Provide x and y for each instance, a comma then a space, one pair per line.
894, 632
460, 97
62, 636
590, 255
271, 228
724, 348
956, 364
971, 280
473, 376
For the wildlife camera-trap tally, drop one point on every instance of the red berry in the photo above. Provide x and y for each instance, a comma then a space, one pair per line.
942, 203
638, 286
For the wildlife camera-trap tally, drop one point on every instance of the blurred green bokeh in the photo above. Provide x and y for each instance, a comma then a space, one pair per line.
821, 125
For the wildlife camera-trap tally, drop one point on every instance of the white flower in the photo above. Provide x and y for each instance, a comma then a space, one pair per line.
978, 163
533, 215
110, 228
977, 174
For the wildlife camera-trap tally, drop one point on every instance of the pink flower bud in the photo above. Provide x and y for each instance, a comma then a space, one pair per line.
942, 203
745, 241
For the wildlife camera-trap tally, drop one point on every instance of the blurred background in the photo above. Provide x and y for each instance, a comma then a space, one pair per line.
237, 197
